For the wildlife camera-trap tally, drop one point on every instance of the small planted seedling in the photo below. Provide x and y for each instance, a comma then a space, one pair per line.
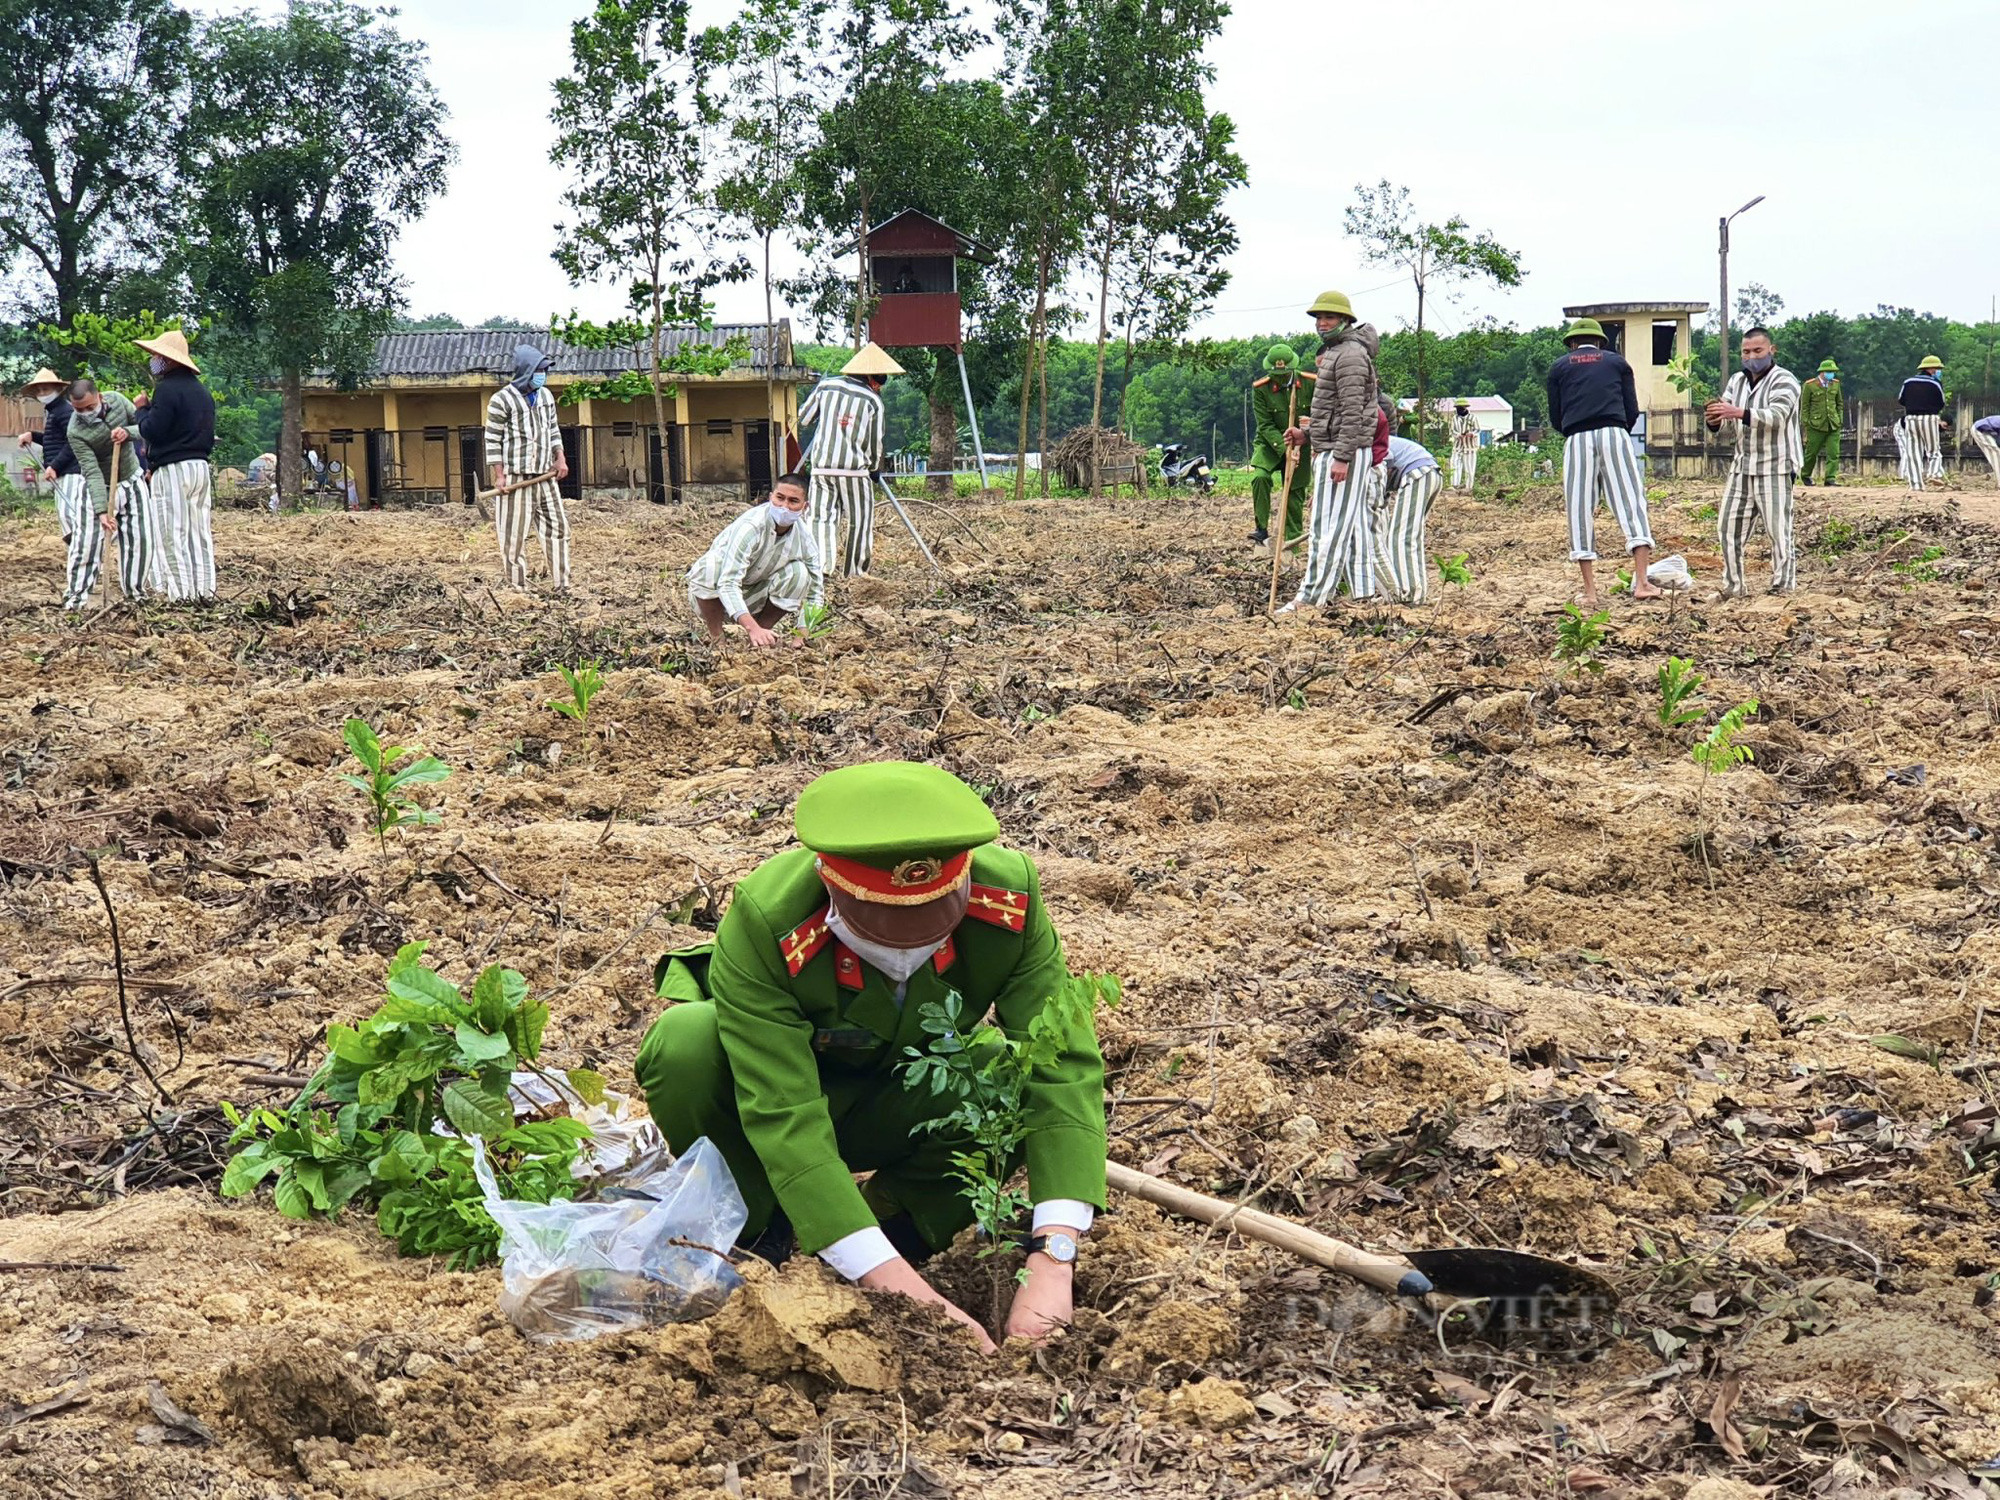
1579, 637
1717, 753
1680, 693
384, 785
585, 683
1455, 569
815, 620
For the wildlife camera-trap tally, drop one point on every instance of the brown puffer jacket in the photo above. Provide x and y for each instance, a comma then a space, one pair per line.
1343, 409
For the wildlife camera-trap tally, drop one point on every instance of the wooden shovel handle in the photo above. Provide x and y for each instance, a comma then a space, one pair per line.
1379, 1271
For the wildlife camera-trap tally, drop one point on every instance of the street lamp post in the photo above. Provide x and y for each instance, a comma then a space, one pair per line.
1722, 311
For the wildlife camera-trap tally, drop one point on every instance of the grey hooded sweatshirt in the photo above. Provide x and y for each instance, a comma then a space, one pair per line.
527, 360
1343, 409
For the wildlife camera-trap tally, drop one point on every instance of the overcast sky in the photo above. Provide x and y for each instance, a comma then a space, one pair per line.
1600, 140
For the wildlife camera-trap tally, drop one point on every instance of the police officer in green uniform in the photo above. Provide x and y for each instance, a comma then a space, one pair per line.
1282, 399
1821, 409
783, 1037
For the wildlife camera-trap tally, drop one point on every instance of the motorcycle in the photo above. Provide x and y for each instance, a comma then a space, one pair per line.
1178, 466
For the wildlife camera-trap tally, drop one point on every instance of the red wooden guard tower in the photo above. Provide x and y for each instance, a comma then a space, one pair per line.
913, 276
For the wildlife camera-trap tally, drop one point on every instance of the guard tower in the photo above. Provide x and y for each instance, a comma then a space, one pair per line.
913, 276
1650, 335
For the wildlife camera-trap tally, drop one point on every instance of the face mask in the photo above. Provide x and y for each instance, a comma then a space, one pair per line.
95, 414
1826, 380
157, 365
1758, 366
48, 398
539, 379
781, 516
897, 963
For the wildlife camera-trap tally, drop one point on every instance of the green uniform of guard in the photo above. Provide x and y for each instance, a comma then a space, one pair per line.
782, 1043
1821, 409
1282, 398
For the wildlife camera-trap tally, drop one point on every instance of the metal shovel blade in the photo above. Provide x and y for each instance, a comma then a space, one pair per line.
1510, 1275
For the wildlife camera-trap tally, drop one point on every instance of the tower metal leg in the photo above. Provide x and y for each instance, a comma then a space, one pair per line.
978, 447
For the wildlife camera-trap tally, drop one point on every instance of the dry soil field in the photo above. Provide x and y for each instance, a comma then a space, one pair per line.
1418, 947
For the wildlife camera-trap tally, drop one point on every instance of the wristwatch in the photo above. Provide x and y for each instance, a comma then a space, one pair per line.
1060, 1248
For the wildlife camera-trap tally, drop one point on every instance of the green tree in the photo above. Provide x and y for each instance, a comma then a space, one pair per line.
84, 165
1443, 254
310, 140
639, 131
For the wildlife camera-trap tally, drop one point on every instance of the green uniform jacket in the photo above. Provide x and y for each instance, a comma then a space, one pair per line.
1273, 402
1820, 406
92, 445
790, 1001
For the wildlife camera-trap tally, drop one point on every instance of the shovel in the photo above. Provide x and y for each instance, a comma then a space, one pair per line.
1465, 1273
480, 497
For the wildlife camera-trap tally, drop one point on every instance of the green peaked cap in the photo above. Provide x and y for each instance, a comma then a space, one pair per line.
1280, 355
1583, 328
1828, 367
892, 810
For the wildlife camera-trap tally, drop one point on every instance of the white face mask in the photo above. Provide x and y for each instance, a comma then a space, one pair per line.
783, 516
898, 963
157, 365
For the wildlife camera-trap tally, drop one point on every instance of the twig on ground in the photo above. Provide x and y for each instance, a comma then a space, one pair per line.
56, 1265
622, 946
124, 1005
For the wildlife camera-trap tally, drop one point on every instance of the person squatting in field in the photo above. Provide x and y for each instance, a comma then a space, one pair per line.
1342, 429
782, 1040
1920, 430
1402, 516
1594, 404
848, 448
524, 443
1759, 410
58, 465
177, 423
101, 434
762, 567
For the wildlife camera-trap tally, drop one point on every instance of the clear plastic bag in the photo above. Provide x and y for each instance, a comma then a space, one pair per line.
1671, 573
654, 1253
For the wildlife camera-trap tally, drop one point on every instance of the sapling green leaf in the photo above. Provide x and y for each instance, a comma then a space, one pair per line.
1455, 569
1578, 637
384, 786
1680, 692
585, 683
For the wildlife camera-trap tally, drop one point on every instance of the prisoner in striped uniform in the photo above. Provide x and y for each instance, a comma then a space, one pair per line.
1402, 515
1464, 445
1342, 429
1759, 411
1920, 434
761, 568
1986, 433
58, 464
177, 423
116, 505
1593, 403
524, 442
848, 447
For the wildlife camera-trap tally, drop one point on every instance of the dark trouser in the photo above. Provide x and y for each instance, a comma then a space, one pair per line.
686, 1078
1267, 467
1820, 443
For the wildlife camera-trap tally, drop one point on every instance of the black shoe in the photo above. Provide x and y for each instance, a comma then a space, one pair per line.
776, 1243
1260, 536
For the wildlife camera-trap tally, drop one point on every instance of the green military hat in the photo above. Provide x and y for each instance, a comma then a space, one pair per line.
1331, 302
1280, 357
1930, 362
1583, 328
895, 841
1828, 367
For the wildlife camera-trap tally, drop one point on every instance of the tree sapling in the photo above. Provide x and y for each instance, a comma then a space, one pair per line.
585, 683
384, 785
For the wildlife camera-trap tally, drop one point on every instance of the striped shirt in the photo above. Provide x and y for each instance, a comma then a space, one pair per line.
747, 555
1464, 430
1767, 440
522, 438
847, 423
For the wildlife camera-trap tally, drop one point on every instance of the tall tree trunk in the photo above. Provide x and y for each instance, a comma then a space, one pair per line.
1042, 376
771, 371
1103, 338
1423, 410
1125, 385
659, 396
944, 430
291, 434
1028, 366
860, 266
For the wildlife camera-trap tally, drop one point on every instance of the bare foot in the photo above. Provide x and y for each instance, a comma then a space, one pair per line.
1643, 589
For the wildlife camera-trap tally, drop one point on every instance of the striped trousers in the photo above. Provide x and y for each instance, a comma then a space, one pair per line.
1400, 520
180, 499
543, 505
1343, 540
1991, 449
1749, 500
72, 503
830, 500
1600, 463
1920, 445
136, 558
1464, 465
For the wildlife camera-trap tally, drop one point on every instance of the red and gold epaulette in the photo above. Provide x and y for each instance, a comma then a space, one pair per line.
804, 941
1000, 907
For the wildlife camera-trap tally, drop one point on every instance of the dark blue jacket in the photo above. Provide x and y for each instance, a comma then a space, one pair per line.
55, 438
1589, 389
179, 422
1921, 396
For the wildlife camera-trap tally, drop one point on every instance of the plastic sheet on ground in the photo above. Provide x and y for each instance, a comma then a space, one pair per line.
656, 1252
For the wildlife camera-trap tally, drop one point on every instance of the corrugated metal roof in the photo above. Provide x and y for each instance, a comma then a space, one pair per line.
490, 351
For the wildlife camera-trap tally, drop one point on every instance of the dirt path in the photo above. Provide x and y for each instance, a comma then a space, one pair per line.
1418, 942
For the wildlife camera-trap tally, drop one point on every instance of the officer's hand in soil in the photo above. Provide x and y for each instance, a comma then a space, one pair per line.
899, 1275
1044, 1303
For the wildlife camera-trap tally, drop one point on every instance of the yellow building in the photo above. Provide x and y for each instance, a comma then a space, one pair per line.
1649, 335
414, 427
